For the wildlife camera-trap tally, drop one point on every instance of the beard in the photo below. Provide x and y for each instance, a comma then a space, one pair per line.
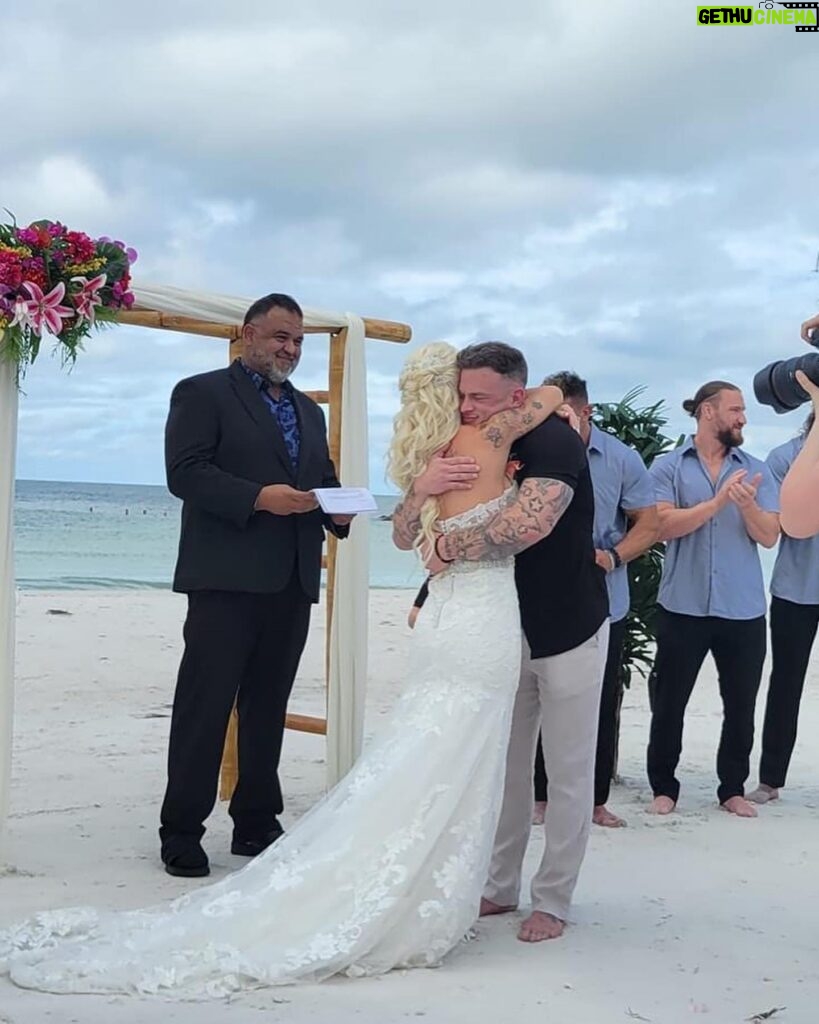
730, 438
279, 376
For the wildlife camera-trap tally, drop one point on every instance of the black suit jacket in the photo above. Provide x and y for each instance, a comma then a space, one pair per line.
222, 445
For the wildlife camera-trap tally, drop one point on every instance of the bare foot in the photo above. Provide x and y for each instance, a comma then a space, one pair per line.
539, 812
603, 816
662, 805
488, 908
539, 926
739, 805
763, 794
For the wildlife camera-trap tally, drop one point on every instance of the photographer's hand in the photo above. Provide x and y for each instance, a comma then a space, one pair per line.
804, 381
807, 327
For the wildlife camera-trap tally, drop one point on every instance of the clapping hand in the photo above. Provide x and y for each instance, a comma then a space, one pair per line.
743, 492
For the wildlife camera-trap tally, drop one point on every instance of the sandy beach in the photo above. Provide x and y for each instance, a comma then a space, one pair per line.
699, 916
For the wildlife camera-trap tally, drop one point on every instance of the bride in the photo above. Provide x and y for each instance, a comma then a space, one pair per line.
387, 870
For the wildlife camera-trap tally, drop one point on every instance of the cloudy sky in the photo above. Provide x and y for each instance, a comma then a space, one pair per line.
606, 184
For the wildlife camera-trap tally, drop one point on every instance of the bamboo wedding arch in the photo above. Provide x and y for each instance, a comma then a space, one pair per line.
220, 317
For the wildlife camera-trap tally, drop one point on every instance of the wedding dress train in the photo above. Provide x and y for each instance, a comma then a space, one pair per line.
386, 871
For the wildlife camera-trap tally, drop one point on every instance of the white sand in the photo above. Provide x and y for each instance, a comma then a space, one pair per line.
699, 916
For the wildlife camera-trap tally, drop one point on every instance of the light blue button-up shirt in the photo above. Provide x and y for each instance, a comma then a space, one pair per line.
621, 484
716, 569
796, 572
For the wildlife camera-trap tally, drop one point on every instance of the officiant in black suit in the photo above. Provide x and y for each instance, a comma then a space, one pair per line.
243, 450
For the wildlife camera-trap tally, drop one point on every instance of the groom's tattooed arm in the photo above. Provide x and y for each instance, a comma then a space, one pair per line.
406, 521
539, 505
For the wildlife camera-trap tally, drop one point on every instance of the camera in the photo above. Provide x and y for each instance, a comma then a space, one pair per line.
776, 384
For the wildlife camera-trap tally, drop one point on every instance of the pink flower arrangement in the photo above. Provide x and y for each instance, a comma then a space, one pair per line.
59, 282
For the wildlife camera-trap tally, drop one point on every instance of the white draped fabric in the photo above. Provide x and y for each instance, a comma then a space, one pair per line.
8, 448
348, 635
348, 645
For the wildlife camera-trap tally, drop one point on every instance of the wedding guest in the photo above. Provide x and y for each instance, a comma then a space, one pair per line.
243, 450
625, 525
794, 620
717, 503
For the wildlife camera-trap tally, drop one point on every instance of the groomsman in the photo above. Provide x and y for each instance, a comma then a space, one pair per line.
794, 619
625, 525
717, 503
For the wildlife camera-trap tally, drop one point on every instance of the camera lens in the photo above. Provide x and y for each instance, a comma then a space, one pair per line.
776, 384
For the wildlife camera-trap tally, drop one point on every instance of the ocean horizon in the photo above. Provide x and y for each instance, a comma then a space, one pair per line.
70, 535
87, 536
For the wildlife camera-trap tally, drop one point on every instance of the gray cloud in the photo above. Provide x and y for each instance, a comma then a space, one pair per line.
607, 185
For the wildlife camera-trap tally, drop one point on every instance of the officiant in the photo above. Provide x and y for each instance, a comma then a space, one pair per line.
244, 450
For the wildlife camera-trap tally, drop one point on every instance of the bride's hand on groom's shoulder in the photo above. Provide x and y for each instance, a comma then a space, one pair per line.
446, 473
566, 412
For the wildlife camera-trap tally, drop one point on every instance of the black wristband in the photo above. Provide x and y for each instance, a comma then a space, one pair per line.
618, 561
446, 561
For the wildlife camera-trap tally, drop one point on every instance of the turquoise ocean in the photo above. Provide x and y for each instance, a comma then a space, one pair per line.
79, 536
76, 536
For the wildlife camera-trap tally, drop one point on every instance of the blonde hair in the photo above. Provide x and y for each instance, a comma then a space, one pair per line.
427, 421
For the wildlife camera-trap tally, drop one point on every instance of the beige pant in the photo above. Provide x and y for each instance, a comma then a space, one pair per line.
560, 695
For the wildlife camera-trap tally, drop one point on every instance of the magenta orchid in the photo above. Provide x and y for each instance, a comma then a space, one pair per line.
42, 310
88, 297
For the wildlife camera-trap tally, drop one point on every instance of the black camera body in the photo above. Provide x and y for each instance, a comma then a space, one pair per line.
776, 384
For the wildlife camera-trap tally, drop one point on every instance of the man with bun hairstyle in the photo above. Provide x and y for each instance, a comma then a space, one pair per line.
716, 504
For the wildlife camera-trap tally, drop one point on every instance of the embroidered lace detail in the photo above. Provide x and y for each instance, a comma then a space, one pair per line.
386, 871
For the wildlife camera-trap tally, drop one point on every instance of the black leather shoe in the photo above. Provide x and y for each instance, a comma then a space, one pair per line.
186, 861
252, 847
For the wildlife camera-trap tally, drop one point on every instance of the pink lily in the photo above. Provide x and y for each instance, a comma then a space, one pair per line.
45, 310
20, 313
87, 298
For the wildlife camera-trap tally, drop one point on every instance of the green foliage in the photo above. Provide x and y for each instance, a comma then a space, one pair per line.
640, 427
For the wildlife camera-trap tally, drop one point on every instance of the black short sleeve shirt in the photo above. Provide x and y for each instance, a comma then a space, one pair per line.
562, 591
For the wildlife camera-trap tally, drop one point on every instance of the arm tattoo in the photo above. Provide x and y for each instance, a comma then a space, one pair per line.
540, 504
505, 426
406, 522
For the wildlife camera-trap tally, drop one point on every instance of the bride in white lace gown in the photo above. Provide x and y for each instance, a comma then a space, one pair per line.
387, 870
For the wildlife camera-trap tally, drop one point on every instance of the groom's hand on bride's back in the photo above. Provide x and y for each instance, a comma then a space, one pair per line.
446, 473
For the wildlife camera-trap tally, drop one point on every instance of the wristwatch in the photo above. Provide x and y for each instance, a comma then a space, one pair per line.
616, 559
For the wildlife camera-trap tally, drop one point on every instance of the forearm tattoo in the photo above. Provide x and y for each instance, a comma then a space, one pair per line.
511, 423
406, 521
540, 504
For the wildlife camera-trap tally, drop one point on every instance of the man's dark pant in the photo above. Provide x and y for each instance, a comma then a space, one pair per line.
238, 647
793, 629
738, 648
606, 726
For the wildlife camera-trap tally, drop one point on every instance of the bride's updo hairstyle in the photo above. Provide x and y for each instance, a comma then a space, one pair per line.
427, 421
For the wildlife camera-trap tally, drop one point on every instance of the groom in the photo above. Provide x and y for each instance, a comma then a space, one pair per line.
564, 612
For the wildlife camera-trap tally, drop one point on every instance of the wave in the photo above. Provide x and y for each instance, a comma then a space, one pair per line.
90, 583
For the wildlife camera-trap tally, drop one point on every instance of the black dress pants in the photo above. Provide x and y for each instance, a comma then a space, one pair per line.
238, 647
738, 649
606, 726
793, 630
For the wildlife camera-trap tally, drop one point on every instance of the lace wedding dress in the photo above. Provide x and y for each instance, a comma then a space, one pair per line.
386, 871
